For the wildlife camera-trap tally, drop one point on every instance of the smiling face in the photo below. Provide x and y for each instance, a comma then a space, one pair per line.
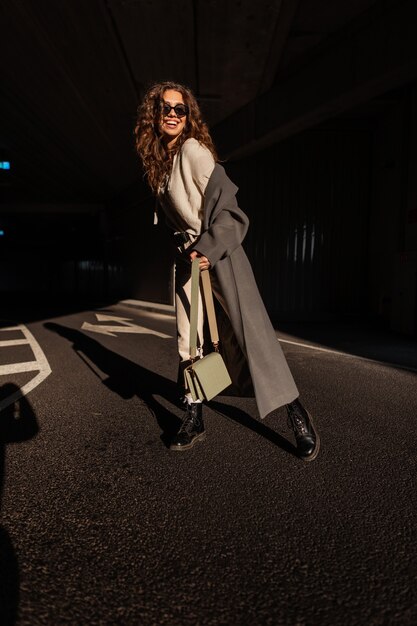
170, 125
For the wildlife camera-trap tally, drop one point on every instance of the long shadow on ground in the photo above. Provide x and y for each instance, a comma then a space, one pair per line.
17, 423
241, 417
128, 379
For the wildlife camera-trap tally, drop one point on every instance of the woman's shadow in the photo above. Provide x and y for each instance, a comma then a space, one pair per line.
17, 423
129, 379
126, 378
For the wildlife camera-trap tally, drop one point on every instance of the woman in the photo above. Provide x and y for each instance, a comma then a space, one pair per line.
201, 211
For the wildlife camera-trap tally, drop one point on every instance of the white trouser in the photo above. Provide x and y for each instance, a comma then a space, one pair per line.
182, 306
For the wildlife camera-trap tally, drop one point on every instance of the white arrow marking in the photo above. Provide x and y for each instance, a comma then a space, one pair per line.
41, 364
126, 327
113, 318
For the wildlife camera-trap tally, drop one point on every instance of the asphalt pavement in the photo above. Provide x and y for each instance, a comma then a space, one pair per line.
101, 524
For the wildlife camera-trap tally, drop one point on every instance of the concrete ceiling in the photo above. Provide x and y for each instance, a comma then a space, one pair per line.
74, 70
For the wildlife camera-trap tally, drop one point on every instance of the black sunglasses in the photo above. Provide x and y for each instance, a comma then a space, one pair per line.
181, 110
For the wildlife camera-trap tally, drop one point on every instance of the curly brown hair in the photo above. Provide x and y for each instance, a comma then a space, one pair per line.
155, 157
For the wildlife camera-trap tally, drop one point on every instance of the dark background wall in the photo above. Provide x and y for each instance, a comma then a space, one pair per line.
332, 232
313, 106
309, 201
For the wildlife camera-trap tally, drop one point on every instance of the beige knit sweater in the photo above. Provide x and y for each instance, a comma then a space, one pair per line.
183, 197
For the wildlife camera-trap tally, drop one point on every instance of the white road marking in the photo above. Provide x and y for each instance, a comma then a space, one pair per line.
101, 317
348, 355
125, 325
40, 363
148, 312
150, 307
16, 368
12, 342
308, 345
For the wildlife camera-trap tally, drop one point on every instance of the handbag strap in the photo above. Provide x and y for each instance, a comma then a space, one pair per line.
208, 299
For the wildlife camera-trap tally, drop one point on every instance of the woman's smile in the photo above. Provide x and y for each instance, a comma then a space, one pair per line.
170, 125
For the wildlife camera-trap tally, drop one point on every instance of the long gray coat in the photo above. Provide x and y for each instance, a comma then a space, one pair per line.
224, 229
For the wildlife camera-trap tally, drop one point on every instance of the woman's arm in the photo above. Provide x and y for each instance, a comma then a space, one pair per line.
225, 234
197, 164
204, 262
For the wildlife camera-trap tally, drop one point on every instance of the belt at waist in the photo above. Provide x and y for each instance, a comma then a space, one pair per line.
181, 238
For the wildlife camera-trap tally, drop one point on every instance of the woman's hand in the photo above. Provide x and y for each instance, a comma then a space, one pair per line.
204, 262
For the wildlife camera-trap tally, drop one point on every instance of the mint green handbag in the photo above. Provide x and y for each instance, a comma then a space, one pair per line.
206, 377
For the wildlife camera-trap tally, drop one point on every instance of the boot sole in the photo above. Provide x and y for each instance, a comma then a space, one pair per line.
190, 445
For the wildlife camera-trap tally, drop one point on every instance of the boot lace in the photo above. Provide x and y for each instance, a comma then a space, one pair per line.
297, 423
190, 422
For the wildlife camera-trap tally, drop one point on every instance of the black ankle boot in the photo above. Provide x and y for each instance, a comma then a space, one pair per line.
307, 439
192, 428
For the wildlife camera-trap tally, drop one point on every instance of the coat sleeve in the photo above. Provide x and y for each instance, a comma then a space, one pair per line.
225, 233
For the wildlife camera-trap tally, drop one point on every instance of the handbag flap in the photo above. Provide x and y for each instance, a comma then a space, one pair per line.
211, 375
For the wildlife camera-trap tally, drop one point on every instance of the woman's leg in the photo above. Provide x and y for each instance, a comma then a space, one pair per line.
192, 428
299, 419
182, 310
